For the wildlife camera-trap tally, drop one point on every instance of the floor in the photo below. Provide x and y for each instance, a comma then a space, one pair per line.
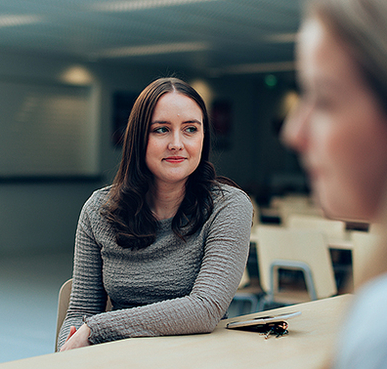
29, 288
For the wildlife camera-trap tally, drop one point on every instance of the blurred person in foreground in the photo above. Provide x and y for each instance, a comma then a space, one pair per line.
168, 241
339, 128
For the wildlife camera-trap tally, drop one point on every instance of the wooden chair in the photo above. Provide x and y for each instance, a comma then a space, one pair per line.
299, 200
287, 210
63, 304
364, 245
303, 250
335, 230
249, 292
332, 228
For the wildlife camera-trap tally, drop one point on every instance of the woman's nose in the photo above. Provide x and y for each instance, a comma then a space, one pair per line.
176, 142
294, 132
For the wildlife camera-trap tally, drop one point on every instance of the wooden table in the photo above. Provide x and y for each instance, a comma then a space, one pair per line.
307, 346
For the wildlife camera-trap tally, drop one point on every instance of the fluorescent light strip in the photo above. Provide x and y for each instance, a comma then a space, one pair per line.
256, 68
18, 20
153, 49
127, 6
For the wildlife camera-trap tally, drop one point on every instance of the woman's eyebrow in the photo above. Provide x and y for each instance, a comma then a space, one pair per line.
190, 121
160, 122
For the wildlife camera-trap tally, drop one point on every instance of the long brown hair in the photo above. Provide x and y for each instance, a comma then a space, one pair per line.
127, 209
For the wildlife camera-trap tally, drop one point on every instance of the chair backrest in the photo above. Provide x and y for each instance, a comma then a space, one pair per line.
364, 244
332, 228
245, 280
376, 228
63, 304
286, 210
298, 200
281, 246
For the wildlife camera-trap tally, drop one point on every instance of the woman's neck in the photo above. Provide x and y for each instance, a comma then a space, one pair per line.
164, 200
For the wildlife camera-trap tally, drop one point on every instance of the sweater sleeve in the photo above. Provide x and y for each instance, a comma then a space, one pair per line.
225, 254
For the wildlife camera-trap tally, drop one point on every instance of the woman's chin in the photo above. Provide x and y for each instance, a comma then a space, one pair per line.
339, 211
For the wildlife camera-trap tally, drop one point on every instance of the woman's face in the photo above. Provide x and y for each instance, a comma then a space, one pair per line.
338, 127
175, 139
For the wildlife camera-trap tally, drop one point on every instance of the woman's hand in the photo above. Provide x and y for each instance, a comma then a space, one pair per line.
77, 338
72, 331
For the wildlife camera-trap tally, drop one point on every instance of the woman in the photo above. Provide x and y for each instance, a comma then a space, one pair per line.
168, 242
340, 130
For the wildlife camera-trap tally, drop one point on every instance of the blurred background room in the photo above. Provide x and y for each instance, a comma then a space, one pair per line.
69, 72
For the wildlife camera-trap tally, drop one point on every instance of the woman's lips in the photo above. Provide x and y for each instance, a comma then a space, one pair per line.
174, 159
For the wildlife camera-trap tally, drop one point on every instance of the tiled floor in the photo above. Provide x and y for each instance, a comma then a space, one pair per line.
29, 288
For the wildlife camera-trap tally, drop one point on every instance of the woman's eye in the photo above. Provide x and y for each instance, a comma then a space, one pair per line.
160, 130
324, 103
320, 101
191, 129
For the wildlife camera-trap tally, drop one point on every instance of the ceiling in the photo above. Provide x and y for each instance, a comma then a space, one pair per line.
214, 37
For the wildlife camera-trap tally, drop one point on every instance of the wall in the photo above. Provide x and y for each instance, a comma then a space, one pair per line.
256, 156
41, 216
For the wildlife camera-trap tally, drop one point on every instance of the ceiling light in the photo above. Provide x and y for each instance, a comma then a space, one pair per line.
153, 49
255, 68
18, 20
77, 75
127, 6
204, 90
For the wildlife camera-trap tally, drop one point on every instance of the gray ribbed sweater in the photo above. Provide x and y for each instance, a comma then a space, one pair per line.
171, 287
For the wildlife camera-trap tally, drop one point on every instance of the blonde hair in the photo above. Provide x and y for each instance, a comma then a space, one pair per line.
362, 25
